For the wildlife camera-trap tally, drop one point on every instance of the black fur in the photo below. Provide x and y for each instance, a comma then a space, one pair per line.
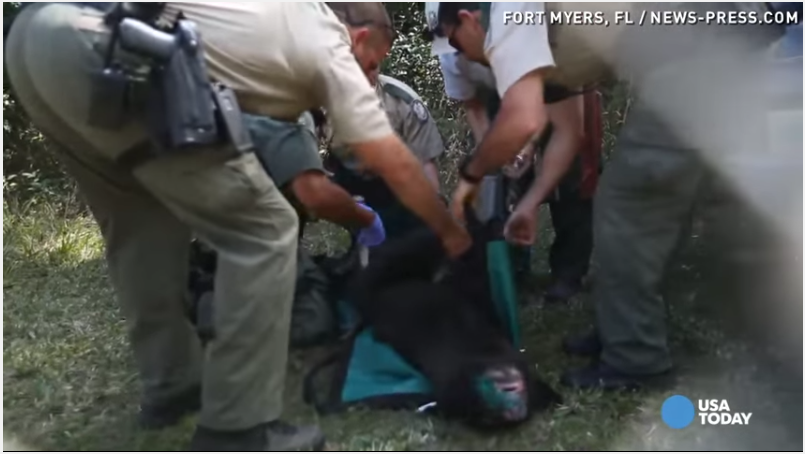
447, 328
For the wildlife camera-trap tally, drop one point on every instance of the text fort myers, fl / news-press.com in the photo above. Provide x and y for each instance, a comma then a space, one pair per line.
644, 17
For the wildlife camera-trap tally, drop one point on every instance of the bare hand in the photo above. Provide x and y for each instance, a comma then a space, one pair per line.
464, 194
521, 227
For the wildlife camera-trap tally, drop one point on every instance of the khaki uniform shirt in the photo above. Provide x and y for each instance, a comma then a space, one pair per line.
410, 119
283, 58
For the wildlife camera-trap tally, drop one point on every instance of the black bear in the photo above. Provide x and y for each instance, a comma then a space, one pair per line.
447, 328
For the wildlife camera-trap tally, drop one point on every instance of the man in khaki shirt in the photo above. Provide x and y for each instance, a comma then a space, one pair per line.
281, 59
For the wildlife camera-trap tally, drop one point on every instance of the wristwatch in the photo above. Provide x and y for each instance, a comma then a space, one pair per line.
464, 175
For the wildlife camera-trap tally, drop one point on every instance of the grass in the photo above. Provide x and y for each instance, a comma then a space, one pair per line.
69, 381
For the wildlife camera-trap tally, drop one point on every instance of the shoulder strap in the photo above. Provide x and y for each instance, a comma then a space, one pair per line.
398, 89
398, 93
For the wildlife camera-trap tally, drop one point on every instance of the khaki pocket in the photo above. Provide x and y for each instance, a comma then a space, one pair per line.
251, 174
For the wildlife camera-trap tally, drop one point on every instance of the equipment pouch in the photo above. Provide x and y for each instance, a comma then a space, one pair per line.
181, 108
184, 110
188, 98
232, 118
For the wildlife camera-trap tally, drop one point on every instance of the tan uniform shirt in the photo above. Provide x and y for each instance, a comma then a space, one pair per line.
410, 119
283, 58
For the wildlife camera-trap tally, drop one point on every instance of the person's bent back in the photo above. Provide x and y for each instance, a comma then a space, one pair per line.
320, 69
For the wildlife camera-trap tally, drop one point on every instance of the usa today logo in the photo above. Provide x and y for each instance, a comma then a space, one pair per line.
678, 412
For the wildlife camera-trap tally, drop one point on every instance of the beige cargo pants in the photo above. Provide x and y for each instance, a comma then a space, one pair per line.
146, 216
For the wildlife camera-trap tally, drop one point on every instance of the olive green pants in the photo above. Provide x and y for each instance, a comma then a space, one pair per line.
641, 209
685, 111
146, 216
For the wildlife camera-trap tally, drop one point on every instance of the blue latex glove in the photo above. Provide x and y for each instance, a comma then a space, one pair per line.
373, 235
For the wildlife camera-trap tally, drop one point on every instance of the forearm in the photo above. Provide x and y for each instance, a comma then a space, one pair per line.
415, 192
390, 159
432, 172
345, 212
559, 155
326, 200
507, 136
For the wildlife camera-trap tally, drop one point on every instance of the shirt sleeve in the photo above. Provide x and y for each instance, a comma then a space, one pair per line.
514, 50
456, 84
307, 122
420, 132
341, 87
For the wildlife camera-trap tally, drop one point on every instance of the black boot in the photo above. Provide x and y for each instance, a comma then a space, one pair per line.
165, 414
587, 345
273, 436
602, 376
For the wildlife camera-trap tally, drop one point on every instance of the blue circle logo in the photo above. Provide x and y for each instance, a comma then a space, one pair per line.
678, 412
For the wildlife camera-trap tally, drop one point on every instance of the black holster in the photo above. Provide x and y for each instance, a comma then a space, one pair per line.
182, 107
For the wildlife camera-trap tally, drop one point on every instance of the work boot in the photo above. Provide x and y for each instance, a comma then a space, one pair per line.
600, 375
165, 414
561, 291
587, 345
272, 436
